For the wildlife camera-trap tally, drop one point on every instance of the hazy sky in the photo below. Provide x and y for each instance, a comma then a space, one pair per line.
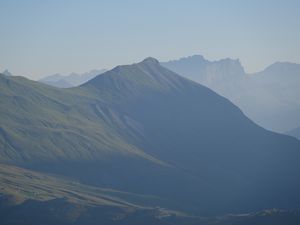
39, 38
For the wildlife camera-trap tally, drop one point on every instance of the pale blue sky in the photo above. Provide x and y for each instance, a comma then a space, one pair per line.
39, 38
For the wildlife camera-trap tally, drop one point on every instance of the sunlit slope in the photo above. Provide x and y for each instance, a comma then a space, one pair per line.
41, 123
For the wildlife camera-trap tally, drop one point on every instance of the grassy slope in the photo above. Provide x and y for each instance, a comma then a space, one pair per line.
42, 123
29, 197
25, 184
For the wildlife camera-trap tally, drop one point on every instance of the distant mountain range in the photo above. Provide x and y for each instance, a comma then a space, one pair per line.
270, 97
71, 80
170, 151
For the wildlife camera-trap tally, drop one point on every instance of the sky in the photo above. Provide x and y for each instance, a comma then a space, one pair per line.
40, 38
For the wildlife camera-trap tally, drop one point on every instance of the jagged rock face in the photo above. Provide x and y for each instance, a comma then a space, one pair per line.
270, 97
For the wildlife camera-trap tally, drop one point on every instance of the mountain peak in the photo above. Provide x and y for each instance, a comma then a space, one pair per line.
281, 68
7, 73
150, 60
197, 56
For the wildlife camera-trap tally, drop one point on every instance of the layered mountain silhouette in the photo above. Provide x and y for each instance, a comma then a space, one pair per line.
269, 97
71, 80
143, 129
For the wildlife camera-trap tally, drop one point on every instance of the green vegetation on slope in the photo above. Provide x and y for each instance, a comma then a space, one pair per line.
41, 123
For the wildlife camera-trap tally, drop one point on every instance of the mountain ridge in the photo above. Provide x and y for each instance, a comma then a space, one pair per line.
143, 129
71, 80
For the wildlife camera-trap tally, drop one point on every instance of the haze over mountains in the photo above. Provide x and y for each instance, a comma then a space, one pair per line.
143, 130
270, 97
71, 80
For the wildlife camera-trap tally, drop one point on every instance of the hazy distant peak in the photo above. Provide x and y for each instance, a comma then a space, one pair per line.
197, 56
282, 64
234, 64
71, 80
283, 68
207, 72
53, 77
7, 73
197, 60
229, 60
190, 59
97, 71
194, 57
73, 74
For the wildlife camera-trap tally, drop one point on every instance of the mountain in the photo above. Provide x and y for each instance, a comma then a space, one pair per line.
276, 90
71, 80
6, 73
208, 73
270, 97
144, 130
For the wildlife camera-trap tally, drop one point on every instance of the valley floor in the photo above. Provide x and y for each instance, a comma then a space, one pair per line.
29, 197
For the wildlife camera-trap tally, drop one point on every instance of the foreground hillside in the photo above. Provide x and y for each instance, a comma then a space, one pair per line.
29, 197
144, 130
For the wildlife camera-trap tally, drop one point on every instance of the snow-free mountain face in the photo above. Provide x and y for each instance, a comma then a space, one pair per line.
270, 97
143, 129
208, 73
71, 80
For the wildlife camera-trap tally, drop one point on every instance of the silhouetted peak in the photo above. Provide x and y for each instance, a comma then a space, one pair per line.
189, 59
